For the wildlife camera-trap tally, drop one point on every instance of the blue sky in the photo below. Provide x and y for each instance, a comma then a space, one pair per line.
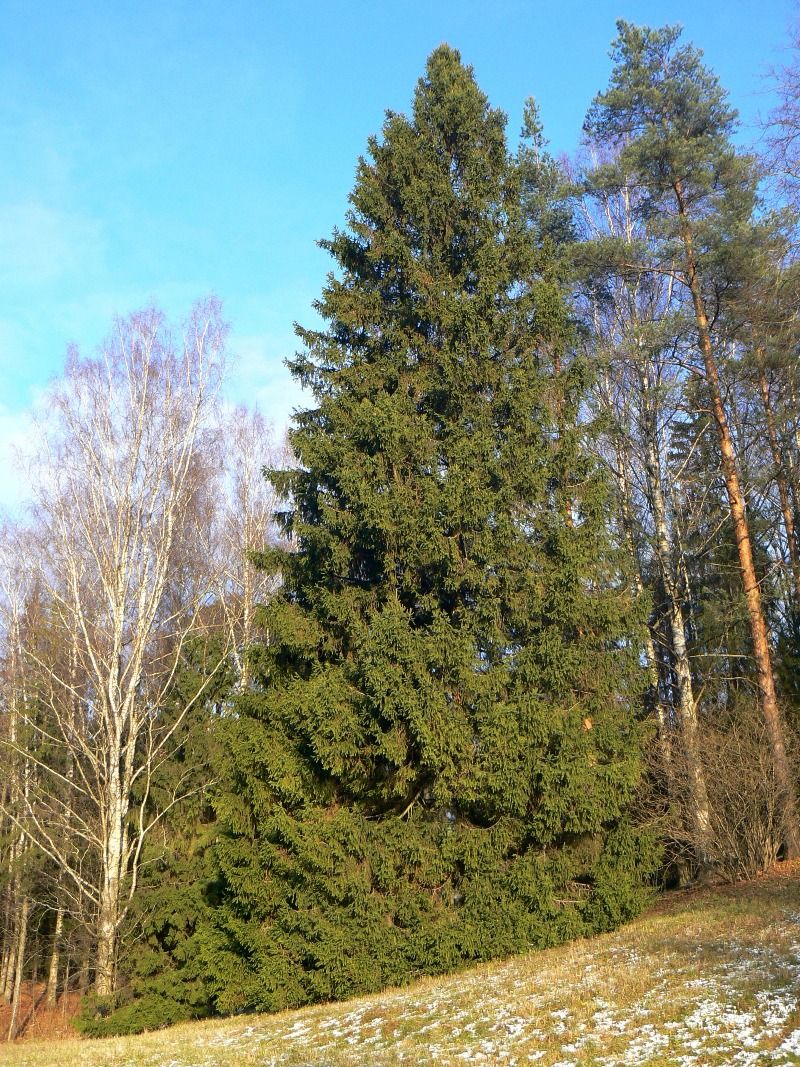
159, 151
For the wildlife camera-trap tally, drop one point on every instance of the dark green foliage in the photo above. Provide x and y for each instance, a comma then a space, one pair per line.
164, 968
668, 109
436, 763
122, 1013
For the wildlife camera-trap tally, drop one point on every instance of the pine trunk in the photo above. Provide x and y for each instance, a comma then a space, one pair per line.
758, 627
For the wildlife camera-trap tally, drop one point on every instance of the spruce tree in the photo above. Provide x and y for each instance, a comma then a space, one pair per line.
436, 757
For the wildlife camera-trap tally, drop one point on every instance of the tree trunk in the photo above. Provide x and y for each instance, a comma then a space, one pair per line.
83, 976
65, 992
699, 806
8, 918
7, 976
55, 960
110, 891
626, 516
5, 962
758, 626
10, 954
106, 944
780, 479
19, 967
17, 848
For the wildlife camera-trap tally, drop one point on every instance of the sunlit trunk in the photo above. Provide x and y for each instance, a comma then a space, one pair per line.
758, 627
110, 899
9, 939
19, 968
55, 960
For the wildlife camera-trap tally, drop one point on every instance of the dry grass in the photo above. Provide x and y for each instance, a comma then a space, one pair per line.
708, 978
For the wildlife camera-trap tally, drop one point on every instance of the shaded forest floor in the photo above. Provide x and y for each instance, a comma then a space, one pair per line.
706, 977
36, 1020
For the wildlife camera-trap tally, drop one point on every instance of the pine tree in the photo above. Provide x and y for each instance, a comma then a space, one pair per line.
436, 757
672, 120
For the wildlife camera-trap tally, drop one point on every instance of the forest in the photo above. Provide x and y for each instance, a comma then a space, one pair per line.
501, 641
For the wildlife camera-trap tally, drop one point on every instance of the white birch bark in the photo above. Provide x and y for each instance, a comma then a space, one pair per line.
123, 487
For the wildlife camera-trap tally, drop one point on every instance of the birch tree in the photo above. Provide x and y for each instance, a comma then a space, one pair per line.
17, 587
245, 528
122, 487
635, 329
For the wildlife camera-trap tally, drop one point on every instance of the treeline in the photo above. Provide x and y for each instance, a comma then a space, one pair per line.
506, 637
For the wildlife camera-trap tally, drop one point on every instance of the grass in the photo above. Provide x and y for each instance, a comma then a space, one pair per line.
705, 978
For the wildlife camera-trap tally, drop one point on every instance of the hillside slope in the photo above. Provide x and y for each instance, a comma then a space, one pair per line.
706, 978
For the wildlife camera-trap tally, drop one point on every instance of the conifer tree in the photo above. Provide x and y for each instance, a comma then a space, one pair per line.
439, 747
673, 123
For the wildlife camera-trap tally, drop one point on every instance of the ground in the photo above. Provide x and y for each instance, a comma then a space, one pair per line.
37, 1020
704, 979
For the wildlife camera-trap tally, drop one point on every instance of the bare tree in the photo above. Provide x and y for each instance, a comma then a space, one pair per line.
245, 528
122, 485
783, 125
634, 322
